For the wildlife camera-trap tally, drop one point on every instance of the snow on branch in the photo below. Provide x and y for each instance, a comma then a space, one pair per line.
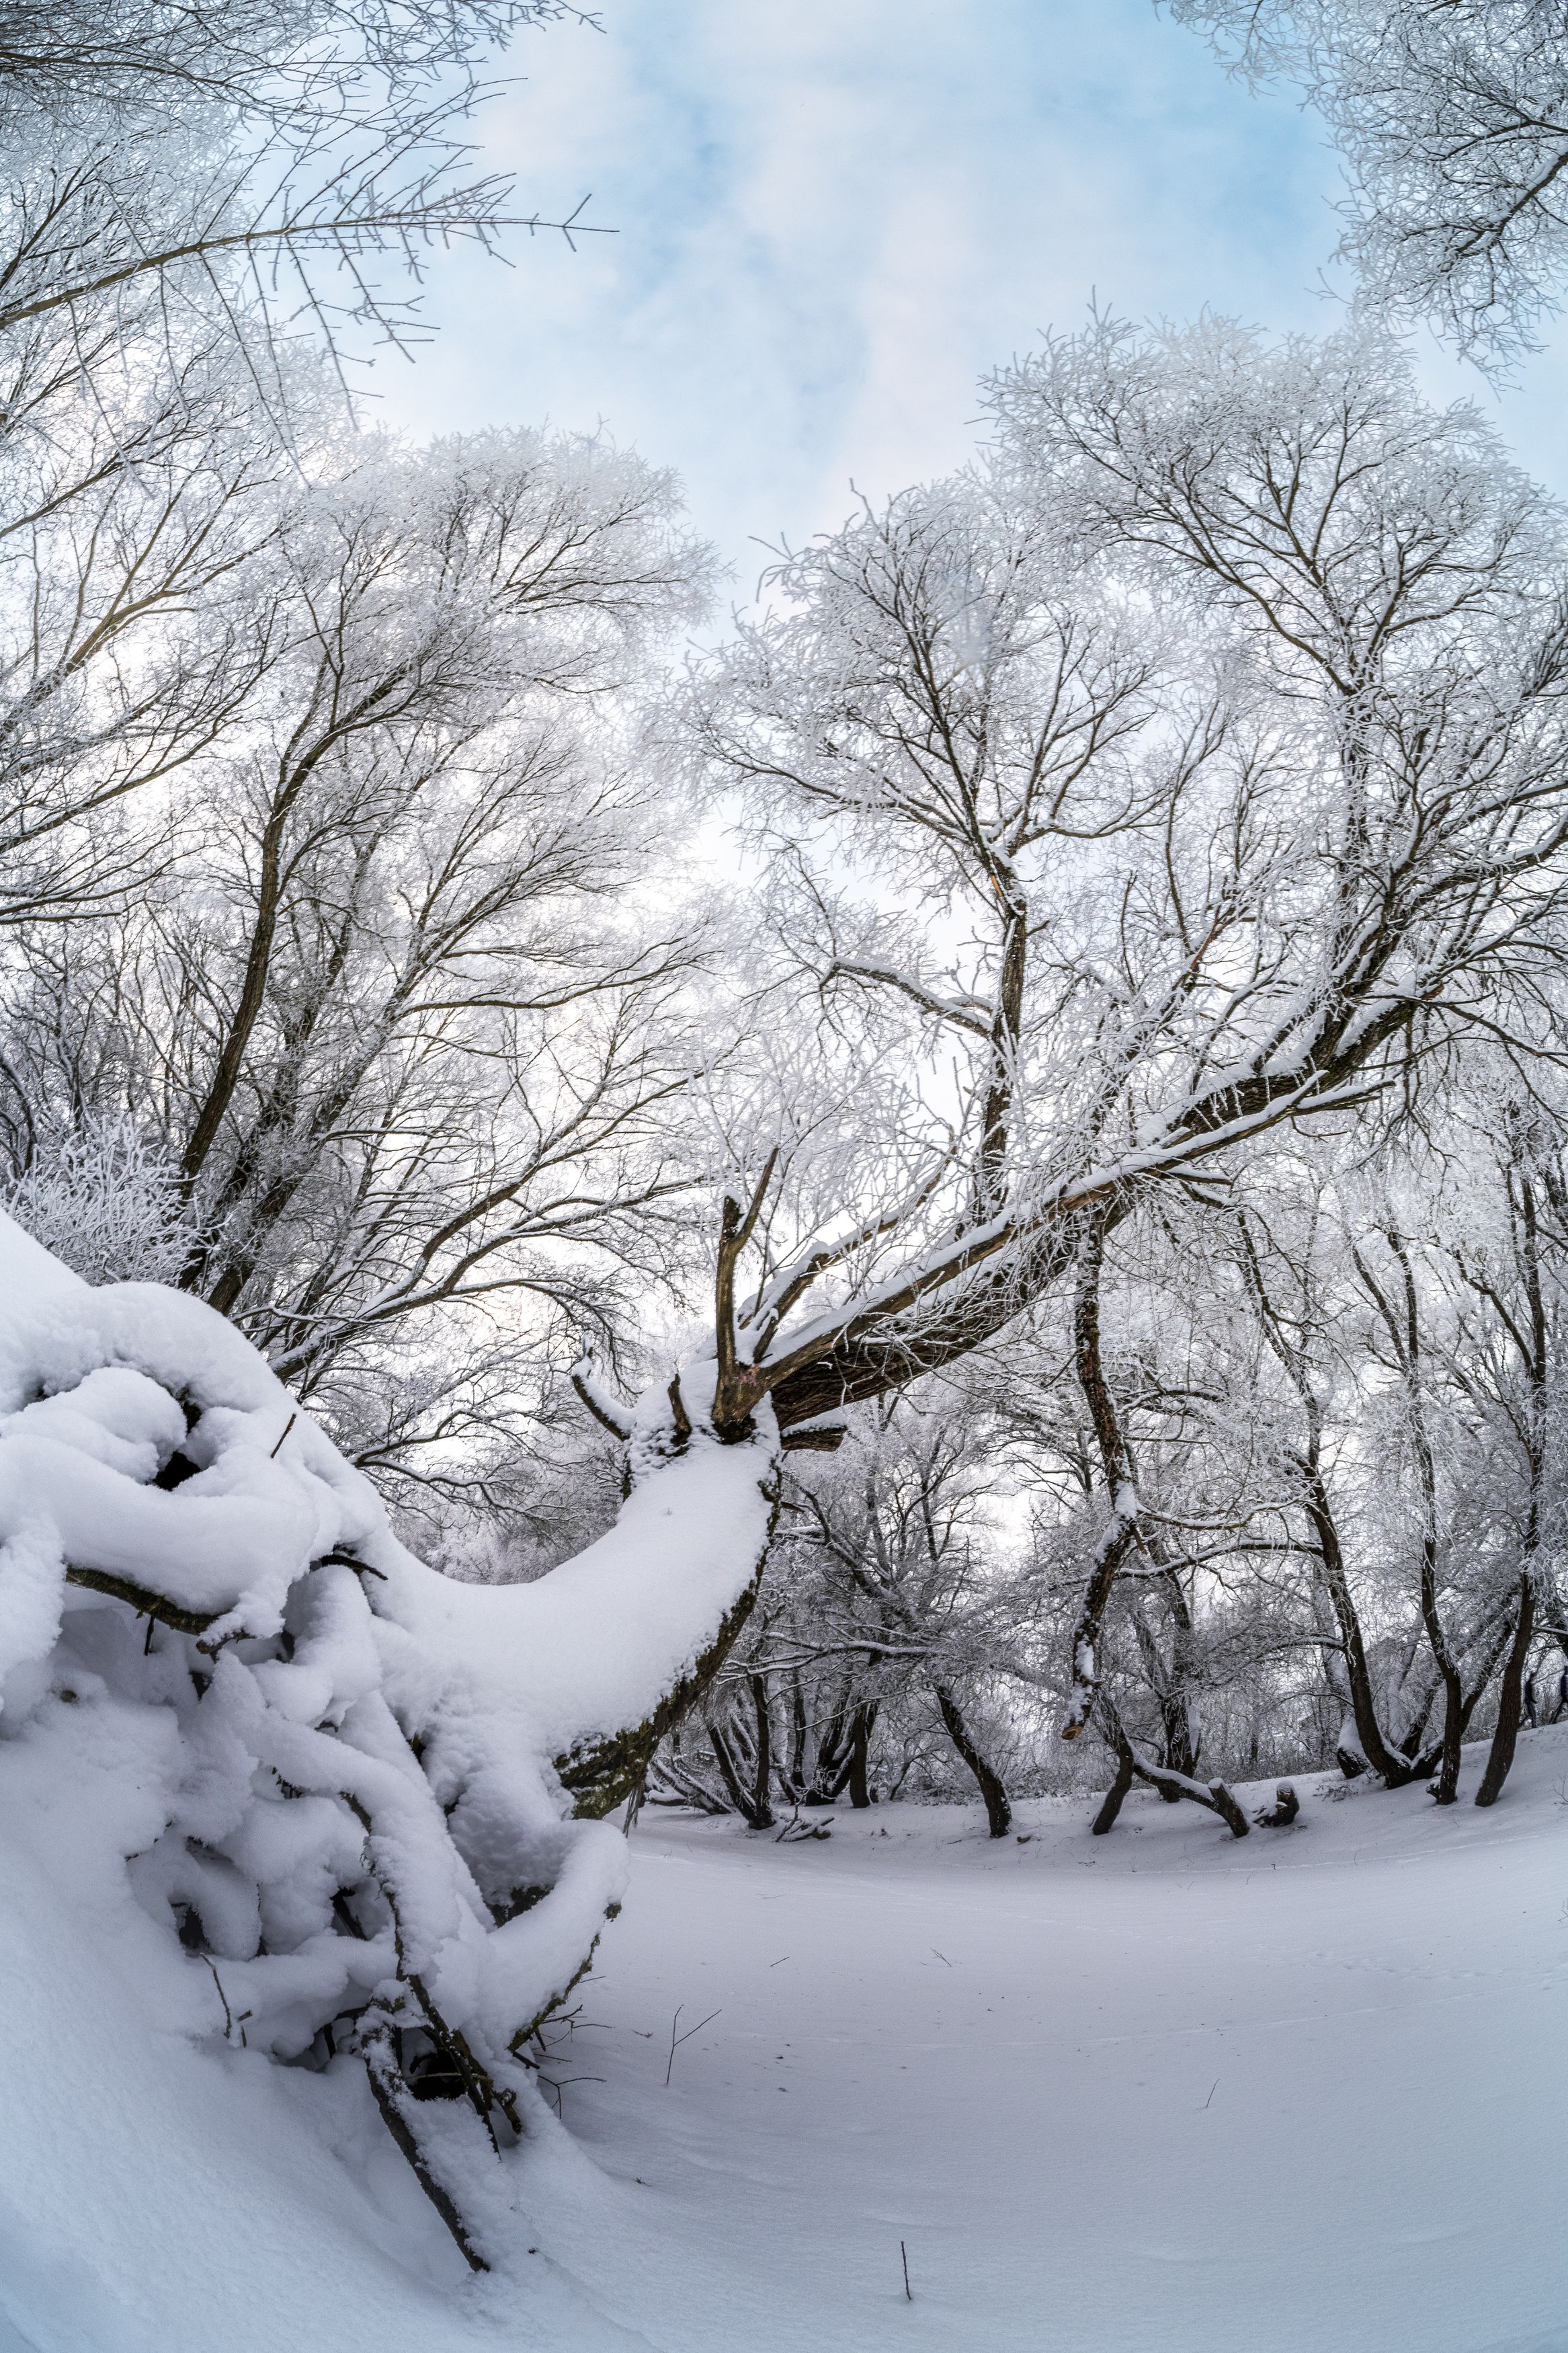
383, 1791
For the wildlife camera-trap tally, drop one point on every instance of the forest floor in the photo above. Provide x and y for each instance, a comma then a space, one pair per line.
1158, 2093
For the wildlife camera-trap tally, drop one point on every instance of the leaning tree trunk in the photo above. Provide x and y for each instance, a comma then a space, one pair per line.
998, 1811
1111, 1804
1131, 1764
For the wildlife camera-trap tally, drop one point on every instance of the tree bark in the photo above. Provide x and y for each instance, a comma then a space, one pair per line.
759, 1817
1212, 1794
763, 1768
1394, 1769
1121, 1534
1006, 1027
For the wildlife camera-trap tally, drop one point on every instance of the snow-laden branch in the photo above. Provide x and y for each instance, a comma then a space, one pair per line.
382, 1790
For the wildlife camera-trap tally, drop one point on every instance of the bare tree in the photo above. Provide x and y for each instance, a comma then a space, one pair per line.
1347, 867
400, 1006
195, 206
243, 161
1341, 864
1451, 117
899, 1535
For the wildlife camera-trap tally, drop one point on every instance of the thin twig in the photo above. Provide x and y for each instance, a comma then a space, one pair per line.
676, 2039
227, 2017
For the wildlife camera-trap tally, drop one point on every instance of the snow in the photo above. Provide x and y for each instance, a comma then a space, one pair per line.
1158, 2089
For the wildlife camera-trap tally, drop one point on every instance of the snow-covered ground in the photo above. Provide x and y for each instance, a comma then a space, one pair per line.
1156, 2091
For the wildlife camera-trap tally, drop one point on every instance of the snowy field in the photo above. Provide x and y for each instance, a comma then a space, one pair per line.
1161, 2090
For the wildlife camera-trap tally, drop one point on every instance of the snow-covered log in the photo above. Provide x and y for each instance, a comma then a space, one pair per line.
381, 1792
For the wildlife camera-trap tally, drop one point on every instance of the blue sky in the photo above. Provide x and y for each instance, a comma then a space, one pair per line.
833, 216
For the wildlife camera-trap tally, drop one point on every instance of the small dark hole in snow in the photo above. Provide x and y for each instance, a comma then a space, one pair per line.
436, 2078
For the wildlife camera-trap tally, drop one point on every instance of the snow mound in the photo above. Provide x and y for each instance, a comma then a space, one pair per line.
365, 1794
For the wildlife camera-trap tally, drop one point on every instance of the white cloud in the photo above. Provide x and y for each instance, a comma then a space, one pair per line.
834, 215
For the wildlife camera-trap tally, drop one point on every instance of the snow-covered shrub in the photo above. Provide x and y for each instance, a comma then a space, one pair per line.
107, 1200
381, 1790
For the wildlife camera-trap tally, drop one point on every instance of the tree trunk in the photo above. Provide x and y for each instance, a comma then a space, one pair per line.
1106, 1817
1121, 1534
1405, 1333
763, 1768
998, 1812
1394, 1769
1212, 1794
1501, 1757
758, 1814
1131, 1764
860, 1756
1537, 1364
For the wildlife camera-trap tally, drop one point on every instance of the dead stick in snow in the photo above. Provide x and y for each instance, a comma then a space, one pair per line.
227, 2018
676, 2041
905, 2253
